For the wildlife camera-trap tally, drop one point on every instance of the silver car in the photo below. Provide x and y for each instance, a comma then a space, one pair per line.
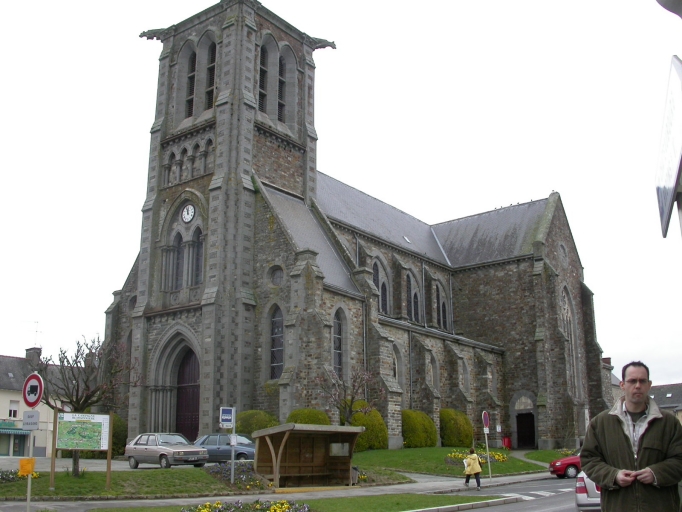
587, 494
165, 450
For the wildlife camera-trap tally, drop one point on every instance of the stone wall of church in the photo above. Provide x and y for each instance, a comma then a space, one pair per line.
278, 161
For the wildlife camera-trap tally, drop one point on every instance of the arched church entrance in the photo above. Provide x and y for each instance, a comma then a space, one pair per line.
187, 410
525, 424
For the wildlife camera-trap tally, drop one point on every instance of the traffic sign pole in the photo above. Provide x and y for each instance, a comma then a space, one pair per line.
486, 429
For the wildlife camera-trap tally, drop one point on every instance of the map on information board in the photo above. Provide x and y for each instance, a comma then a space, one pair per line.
82, 431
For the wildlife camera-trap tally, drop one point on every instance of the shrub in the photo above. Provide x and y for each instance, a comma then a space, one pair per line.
455, 428
250, 421
309, 417
375, 436
419, 430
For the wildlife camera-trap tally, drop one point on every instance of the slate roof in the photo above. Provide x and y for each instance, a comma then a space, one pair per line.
363, 212
496, 235
672, 402
486, 237
13, 372
307, 233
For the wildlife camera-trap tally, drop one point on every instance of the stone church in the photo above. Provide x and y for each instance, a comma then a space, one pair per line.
257, 273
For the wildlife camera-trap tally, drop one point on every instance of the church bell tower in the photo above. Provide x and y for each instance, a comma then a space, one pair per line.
235, 97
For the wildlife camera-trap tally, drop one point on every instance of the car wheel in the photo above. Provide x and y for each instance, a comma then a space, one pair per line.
571, 472
132, 463
241, 456
199, 465
164, 462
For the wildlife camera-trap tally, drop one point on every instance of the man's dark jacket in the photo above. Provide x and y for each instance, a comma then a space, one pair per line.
608, 449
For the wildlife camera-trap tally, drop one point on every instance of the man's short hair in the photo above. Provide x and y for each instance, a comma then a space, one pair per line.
636, 363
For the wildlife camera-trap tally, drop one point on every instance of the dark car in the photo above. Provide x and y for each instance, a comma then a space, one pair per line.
219, 449
164, 449
566, 467
587, 494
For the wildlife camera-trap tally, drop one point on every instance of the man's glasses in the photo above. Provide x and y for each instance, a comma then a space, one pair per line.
634, 382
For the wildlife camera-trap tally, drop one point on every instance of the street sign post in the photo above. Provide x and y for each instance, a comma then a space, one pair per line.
228, 421
486, 431
32, 394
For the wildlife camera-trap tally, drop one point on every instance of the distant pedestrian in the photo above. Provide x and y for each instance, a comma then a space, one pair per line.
634, 451
473, 467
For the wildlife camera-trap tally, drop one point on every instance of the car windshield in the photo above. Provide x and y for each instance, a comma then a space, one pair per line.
172, 439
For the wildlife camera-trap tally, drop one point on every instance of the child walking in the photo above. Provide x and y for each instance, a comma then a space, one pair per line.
473, 467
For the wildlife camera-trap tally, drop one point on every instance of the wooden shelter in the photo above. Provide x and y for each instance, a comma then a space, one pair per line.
294, 454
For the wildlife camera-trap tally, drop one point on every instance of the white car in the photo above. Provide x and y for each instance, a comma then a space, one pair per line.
587, 494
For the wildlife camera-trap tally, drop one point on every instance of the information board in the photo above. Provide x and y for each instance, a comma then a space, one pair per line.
76, 431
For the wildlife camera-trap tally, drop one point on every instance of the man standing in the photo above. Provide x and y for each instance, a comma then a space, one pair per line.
634, 451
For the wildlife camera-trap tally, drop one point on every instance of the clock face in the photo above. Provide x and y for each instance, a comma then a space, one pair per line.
188, 213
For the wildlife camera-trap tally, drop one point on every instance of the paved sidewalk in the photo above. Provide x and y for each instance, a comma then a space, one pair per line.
423, 484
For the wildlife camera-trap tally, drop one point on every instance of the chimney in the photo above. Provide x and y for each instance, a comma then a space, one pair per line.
606, 360
33, 355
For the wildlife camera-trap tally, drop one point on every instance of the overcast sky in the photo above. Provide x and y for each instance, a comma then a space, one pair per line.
442, 109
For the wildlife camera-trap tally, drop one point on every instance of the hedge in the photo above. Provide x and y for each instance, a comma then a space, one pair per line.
419, 430
455, 428
375, 436
250, 421
309, 417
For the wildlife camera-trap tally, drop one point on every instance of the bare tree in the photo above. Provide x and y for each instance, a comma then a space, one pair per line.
344, 395
94, 375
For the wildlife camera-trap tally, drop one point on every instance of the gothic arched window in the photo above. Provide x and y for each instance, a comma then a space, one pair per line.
375, 274
263, 80
210, 77
415, 306
337, 344
276, 343
179, 252
191, 82
408, 294
441, 310
281, 90
198, 256
384, 298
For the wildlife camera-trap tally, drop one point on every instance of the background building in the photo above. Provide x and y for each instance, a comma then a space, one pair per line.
257, 273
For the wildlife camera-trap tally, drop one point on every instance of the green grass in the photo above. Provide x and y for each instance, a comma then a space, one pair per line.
544, 455
153, 482
384, 503
432, 461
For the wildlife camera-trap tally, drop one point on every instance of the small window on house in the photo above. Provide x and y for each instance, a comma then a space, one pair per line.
263, 80
668, 395
281, 92
415, 306
276, 344
191, 80
338, 345
210, 77
13, 408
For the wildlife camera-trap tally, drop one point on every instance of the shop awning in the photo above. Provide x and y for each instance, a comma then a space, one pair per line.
15, 431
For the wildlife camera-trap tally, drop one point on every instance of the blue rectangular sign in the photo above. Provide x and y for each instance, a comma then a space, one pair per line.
226, 417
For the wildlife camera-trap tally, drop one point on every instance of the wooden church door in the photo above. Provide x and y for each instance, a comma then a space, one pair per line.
187, 418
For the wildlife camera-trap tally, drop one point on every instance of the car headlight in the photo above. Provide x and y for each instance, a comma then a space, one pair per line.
557, 463
179, 453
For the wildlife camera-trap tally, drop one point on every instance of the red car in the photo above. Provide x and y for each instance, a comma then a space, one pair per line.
566, 467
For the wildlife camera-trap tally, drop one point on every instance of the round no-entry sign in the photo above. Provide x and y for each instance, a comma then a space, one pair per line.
33, 390
486, 419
